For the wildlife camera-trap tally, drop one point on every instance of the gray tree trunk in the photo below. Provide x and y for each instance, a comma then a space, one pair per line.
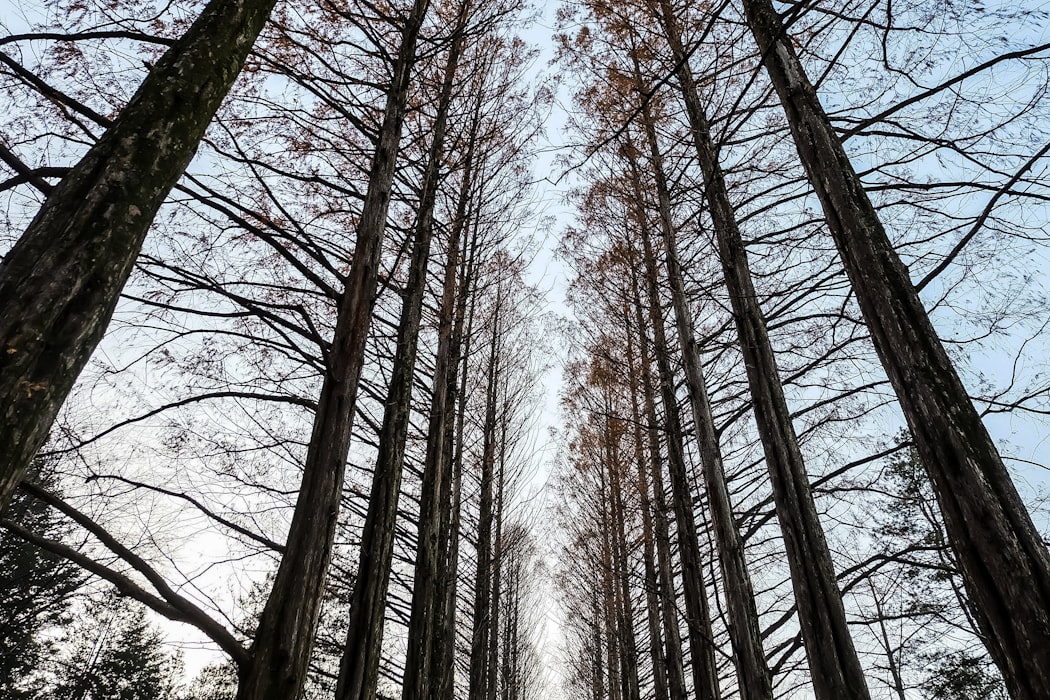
835, 669
673, 653
359, 666
701, 639
1004, 562
284, 639
745, 633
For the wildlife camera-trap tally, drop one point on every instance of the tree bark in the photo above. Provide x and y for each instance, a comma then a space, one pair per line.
660, 691
701, 639
479, 676
1003, 560
835, 669
745, 633
359, 666
424, 659
61, 281
672, 637
280, 655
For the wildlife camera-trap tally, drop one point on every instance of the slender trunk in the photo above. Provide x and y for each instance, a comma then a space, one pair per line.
1004, 561
428, 599
359, 667
745, 632
479, 677
628, 644
610, 609
284, 638
497, 569
834, 666
701, 643
597, 663
672, 637
62, 279
648, 555
443, 660
884, 636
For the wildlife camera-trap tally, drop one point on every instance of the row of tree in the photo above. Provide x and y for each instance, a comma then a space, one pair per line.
736, 523
321, 367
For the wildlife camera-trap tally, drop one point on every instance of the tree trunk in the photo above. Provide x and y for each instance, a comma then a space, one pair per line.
280, 655
479, 645
834, 666
1004, 562
359, 666
62, 279
648, 555
745, 633
701, 642
625, 611
429, 607
672, 637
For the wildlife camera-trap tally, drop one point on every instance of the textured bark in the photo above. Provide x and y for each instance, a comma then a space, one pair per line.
284, 639
442, 661
652, 600
61, 281
745, 633
359, 666
425, 665
672, 638
1004, 562
835, 669
701, 640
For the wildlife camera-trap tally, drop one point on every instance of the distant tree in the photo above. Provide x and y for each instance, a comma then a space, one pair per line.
962, 675
118, 654
945, 649
35, 589
215, 682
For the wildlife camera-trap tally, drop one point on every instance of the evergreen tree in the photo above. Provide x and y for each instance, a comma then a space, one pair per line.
118, 655
35, 589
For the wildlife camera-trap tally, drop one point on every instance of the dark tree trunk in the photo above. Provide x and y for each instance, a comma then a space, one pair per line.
1004, 561
280, 655
701, 642
745, 633
425, 660
672, 637
652, 599
625, 611
359, 667
480, 676
834, 666
62, 279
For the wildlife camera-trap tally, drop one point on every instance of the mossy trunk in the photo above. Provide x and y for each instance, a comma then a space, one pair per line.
1004, 562
60, 282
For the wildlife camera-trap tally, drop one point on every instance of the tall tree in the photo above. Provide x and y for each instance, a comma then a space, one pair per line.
35, 589
1003, 559
61, 281
359, 667
283, 642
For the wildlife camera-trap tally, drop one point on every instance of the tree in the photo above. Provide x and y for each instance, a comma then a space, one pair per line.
35, 590
61, 281
117, 655
1004, 560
